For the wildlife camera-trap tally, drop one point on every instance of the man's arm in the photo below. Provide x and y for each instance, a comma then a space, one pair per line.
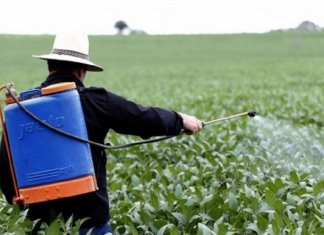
127, 117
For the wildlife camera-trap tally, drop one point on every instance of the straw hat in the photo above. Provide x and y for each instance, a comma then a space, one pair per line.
71, 48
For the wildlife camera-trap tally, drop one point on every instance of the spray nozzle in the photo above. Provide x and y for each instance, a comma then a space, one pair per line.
252, 114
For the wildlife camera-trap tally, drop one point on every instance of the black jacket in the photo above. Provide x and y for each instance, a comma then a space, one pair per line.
104, 110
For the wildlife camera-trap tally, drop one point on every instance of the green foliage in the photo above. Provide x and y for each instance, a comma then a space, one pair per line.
14, 221
228, 179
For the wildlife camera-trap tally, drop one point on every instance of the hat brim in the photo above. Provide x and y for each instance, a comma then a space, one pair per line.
90, 65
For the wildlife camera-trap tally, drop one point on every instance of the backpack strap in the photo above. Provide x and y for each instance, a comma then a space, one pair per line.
8, 161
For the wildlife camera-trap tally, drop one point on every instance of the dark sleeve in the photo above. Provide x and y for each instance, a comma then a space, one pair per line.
127, 117
6, 182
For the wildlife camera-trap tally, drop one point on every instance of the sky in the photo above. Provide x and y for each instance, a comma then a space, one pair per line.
157, 16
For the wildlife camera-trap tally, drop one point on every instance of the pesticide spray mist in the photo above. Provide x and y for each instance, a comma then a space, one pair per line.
290, 148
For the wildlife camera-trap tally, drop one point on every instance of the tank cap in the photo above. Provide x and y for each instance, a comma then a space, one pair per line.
58, 87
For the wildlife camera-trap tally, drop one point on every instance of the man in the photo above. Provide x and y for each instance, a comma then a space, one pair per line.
69, 62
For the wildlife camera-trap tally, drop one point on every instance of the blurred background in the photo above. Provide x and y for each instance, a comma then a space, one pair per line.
159, 16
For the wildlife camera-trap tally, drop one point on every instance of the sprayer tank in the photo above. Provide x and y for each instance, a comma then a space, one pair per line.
40, 155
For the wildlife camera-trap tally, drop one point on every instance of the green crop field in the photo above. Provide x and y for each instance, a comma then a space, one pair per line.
243, 176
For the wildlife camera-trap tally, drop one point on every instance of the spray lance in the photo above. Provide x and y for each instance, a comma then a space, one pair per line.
11, 93
250, 114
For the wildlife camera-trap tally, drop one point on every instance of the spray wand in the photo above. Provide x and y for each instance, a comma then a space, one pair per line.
250, 114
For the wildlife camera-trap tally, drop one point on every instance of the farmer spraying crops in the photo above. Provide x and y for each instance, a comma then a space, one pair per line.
69, 62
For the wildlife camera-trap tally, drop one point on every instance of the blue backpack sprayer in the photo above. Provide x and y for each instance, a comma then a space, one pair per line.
47, 144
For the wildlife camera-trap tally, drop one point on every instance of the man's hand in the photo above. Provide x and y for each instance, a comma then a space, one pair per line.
191, 124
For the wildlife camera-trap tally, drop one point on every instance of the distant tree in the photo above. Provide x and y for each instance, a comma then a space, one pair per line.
121, 26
